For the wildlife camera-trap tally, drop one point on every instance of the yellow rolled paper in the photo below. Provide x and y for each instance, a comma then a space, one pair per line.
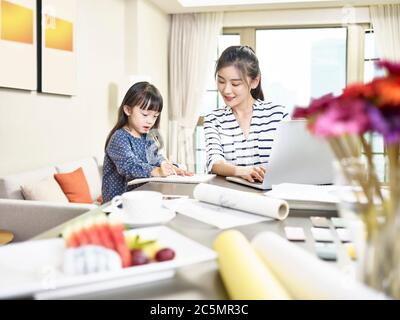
244, 274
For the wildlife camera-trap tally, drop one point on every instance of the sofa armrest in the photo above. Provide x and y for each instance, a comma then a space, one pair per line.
25, 218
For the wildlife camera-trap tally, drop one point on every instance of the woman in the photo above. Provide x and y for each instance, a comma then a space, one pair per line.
239, 137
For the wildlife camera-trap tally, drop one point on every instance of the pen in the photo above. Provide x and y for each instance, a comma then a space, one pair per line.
173, 169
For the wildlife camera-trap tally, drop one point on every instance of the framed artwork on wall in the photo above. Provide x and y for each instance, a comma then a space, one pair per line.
57, 50
18, 44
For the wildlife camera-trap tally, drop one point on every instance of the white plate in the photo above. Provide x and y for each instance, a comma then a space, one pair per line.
162, 216
36, 266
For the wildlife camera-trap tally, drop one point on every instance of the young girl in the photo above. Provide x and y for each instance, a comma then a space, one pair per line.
129, 151
239, 137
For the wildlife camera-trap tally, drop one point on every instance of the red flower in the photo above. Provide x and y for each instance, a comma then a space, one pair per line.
344, 116
359, 90
370, 107
392, 67
388, 92
316, 106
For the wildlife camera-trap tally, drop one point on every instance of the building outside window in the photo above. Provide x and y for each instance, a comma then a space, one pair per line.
300, 64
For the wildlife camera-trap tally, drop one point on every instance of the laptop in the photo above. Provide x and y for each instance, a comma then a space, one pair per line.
296, 157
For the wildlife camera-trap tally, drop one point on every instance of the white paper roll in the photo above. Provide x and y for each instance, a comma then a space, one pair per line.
306, 277
240, 200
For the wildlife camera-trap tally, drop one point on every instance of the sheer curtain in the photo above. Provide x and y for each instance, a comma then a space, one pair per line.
386, 23
193, 42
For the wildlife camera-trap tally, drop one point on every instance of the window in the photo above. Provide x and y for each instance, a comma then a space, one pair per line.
297, 64
212, 101
300, 64
370, 57
370, 72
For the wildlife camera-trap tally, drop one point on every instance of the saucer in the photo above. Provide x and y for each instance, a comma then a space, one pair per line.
163, 215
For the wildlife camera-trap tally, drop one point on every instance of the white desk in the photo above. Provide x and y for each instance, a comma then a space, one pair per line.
202, 281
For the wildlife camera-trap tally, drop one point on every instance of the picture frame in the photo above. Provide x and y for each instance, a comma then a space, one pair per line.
18, 44
57, 47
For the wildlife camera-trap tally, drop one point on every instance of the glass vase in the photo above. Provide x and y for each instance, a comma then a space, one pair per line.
381, 263
373, 224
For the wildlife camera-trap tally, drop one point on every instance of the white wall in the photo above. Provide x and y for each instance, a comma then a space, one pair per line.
40, 129
297, 17
147, 35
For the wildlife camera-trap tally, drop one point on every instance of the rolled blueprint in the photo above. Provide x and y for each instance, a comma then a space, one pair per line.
304, 275
240, 200
243, 272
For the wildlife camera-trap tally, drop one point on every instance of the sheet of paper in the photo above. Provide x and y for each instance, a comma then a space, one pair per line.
197, 178
304, 192
306, 196
221, 217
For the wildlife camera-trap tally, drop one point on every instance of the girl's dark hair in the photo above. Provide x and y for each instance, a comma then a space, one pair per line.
143, 95
245, 60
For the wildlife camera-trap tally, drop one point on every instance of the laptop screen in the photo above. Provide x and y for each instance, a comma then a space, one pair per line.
296, 157
299, 157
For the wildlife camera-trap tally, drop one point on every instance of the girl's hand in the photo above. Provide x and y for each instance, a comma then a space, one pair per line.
181, 172
254, 174
167, 169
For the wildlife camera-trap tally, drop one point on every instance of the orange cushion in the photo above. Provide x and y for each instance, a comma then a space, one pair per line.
75, 186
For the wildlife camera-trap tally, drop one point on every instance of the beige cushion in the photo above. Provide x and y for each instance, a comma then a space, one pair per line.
10, 186
44, 190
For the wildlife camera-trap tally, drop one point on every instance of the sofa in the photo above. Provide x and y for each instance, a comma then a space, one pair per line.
28, 218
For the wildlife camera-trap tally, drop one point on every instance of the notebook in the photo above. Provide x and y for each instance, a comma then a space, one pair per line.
306, 196
197, 178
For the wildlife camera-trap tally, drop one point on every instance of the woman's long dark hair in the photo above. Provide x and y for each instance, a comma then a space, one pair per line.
246, 61
143, 95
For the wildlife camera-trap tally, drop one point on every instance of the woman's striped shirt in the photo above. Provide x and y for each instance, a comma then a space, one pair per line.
226, 141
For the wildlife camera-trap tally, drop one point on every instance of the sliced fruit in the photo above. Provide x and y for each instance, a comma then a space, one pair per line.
69, 237
103, 230
117, 233
91, 232
80, 234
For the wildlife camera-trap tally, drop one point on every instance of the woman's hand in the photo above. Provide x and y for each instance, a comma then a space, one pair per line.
254, 174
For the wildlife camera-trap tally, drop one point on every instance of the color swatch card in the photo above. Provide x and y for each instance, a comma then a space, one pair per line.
351, 250
344, 235
321, 234
319, 222
295, 234
338, 222
326, 251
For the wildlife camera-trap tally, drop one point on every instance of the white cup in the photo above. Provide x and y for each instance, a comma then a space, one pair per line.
138, 204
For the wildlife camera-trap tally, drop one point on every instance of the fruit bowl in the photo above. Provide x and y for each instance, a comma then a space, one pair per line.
34, 267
